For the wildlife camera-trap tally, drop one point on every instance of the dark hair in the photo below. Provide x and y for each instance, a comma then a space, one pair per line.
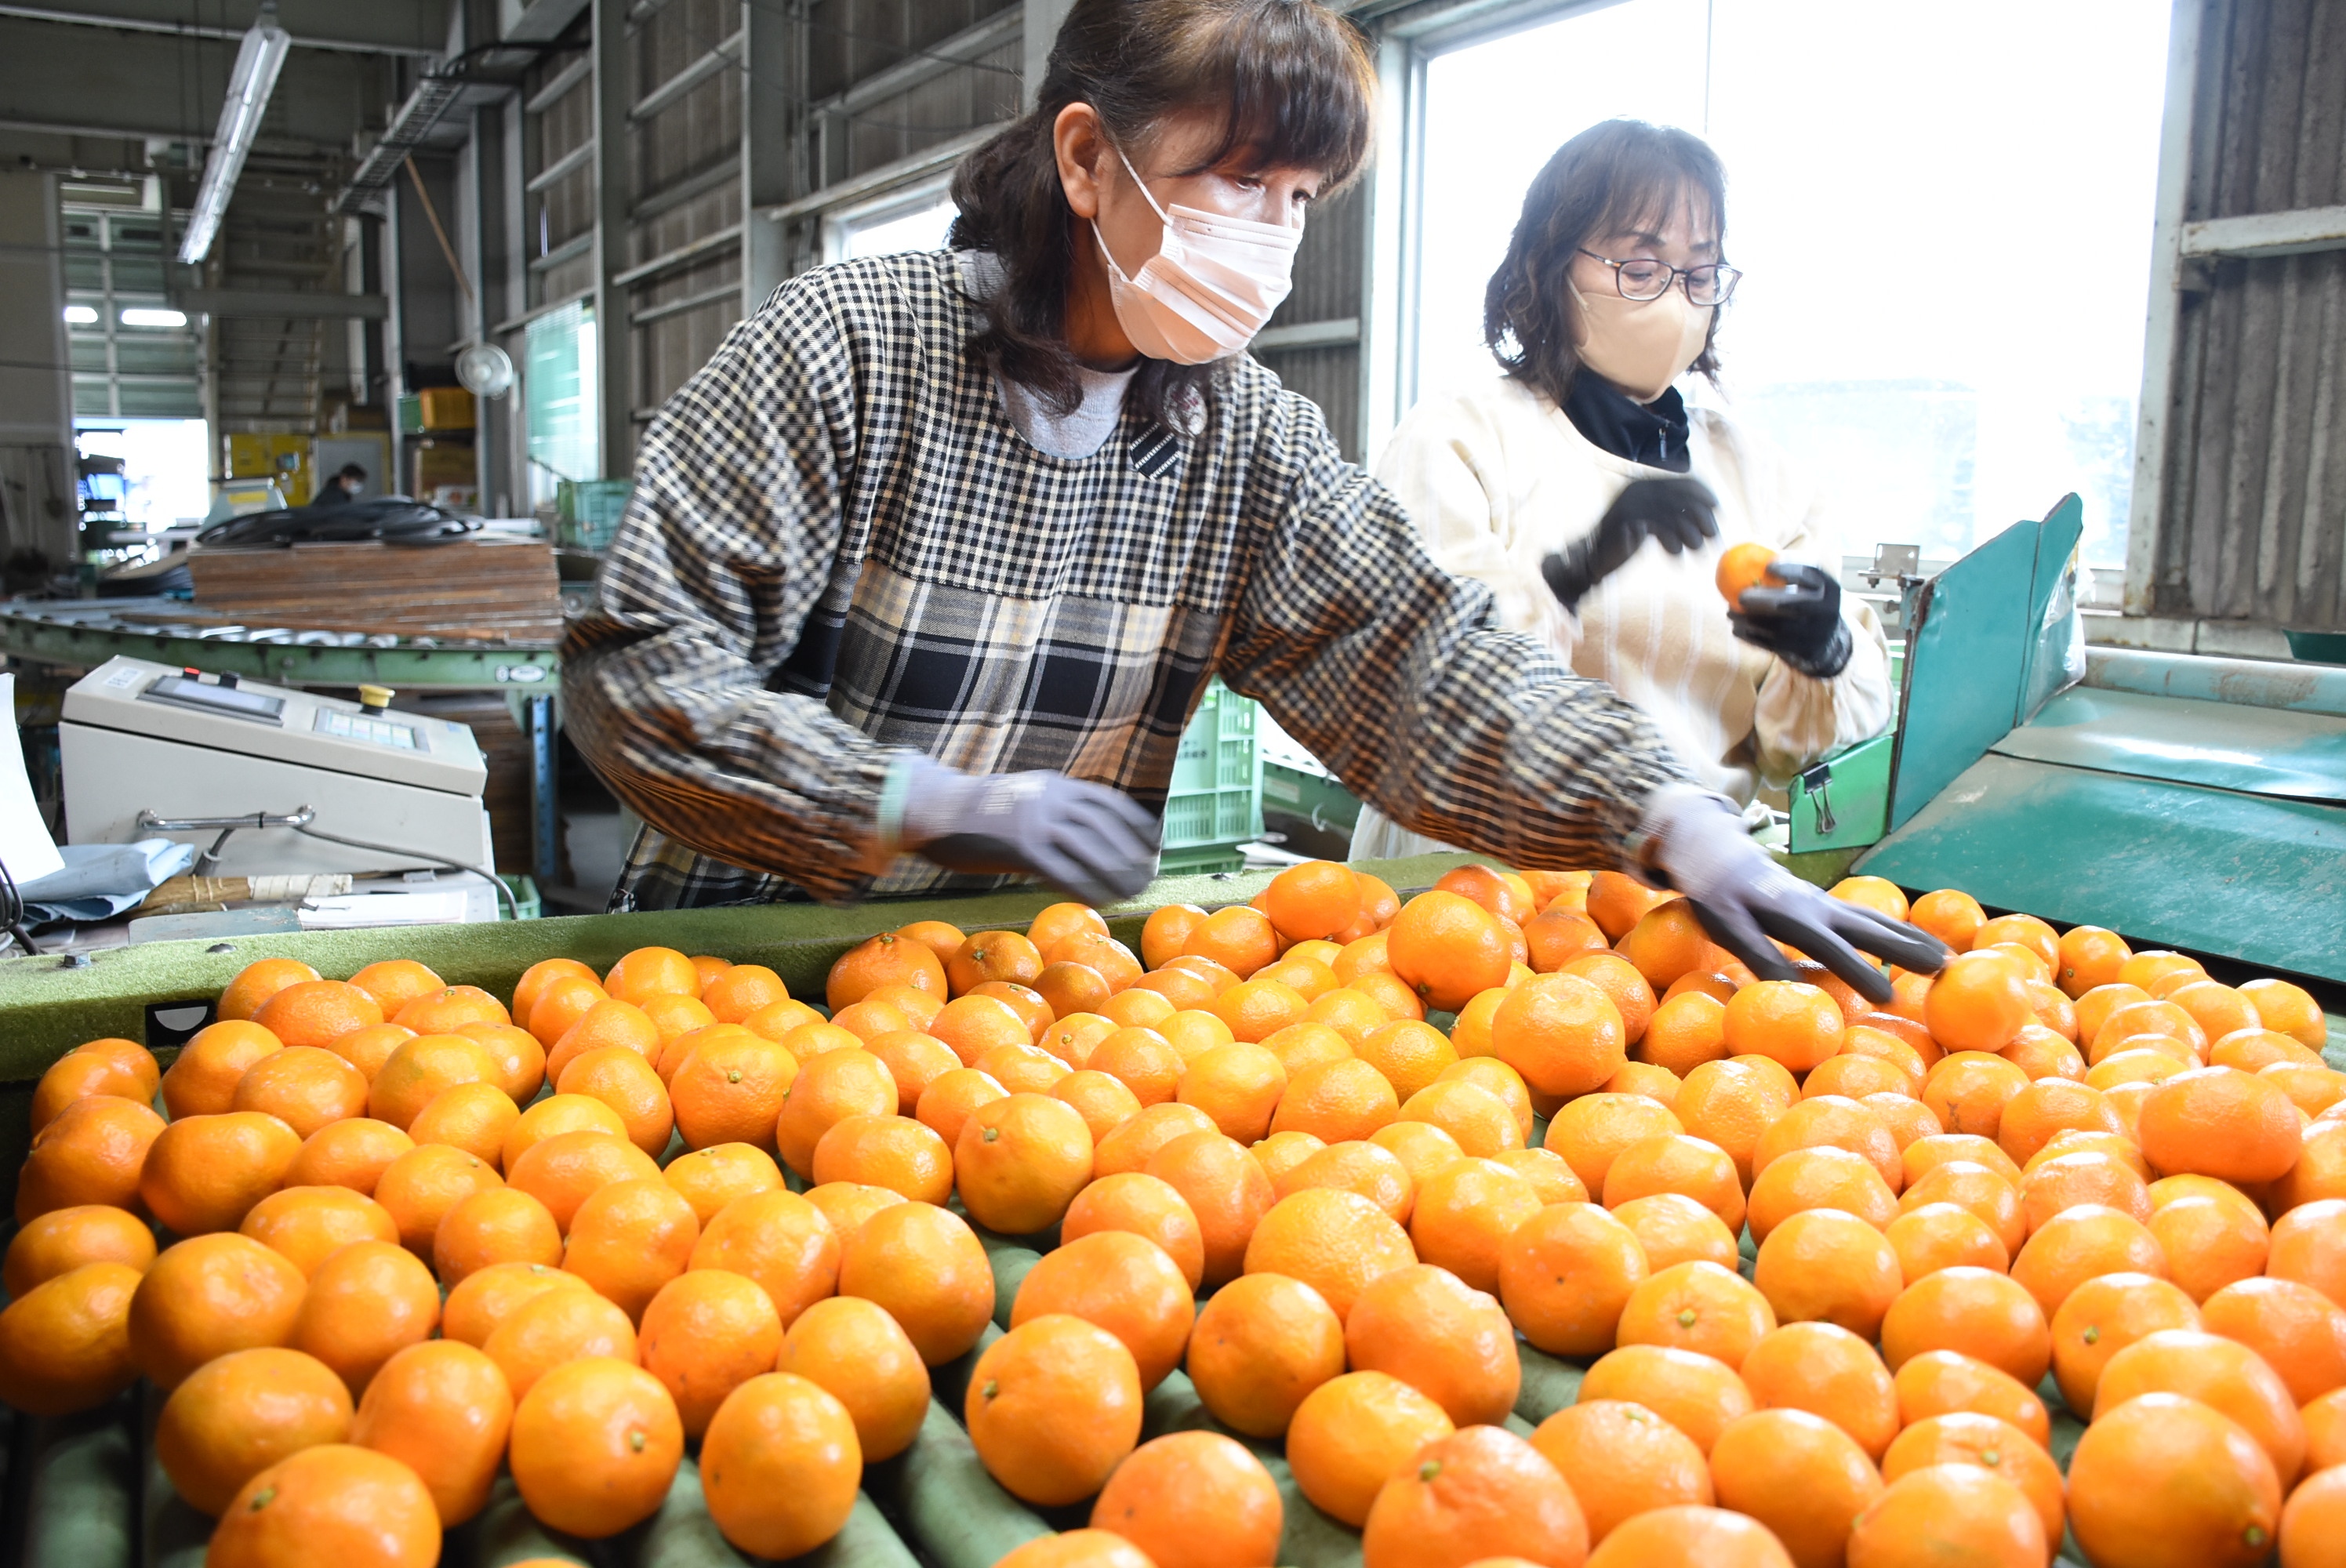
350, 471
1617, 175
1295, 86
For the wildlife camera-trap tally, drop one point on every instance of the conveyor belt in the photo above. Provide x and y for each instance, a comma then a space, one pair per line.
86, 633
933, 1505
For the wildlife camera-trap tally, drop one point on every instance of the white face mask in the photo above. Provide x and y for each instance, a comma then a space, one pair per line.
1641, 345
1209, 288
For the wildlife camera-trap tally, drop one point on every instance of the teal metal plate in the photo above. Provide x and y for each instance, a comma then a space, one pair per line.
2255, 750
2260, 879
1852, 807
1965, 661
2048, 634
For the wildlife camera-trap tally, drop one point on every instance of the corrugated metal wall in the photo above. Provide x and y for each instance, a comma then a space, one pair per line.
1330, 274
2255, 516
684, 191
856, 47
868, 83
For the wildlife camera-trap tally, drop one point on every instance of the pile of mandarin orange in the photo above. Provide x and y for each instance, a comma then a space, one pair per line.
414, 1237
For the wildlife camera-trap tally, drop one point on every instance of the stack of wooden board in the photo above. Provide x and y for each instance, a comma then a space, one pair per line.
478, 589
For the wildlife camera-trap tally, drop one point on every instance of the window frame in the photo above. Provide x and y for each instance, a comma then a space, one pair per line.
840, 224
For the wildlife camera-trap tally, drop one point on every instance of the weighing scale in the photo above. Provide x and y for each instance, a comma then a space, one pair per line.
261, 778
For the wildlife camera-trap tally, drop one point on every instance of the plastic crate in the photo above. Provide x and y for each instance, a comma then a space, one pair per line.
527, 905
1215, 801
586, 511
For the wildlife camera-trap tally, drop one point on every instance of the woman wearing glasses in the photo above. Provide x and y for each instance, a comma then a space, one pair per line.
1596, 504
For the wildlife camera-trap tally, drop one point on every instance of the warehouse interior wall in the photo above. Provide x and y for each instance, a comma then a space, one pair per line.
36, 484
627, 179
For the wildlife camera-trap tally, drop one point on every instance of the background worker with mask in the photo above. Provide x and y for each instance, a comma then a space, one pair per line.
1550, 483
926, 569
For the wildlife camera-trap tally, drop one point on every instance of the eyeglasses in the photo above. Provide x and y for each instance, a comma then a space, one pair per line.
1712, 283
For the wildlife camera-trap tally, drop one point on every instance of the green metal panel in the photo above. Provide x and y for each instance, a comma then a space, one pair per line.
2255, 878
1966, 662
1326, 803
2254, 750
2049, 643
1843, 802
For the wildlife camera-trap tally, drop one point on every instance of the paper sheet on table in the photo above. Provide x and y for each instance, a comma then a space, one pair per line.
25, 847
441, 907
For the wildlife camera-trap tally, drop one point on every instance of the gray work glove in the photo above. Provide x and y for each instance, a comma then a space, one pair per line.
1696, 843
1095, 844
1677, 515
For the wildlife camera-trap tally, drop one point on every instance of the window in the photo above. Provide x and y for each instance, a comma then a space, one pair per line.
134, 356
1944, 225
562, 412
903, 221
164, 468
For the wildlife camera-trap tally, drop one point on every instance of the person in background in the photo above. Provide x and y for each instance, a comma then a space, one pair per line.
1594, 503
925, 571
343, 488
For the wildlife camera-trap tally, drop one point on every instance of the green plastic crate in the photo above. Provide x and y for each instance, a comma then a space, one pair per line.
2317, 648
587, 511
1215, 801
527, 905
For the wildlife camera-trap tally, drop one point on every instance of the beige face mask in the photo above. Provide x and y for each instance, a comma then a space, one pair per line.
1641, 346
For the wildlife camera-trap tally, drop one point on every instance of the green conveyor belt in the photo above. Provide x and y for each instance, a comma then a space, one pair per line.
47, 1007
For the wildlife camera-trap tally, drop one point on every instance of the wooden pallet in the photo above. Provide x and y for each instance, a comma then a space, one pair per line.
478, 589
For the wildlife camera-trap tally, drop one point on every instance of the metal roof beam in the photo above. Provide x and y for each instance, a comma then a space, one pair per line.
378, 27
146, 84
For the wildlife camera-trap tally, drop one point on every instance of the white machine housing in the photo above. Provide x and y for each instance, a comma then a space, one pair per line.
140, 736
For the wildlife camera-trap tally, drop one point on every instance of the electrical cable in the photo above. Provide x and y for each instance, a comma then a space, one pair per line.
299, 822
392, 519
12, 915
504, 892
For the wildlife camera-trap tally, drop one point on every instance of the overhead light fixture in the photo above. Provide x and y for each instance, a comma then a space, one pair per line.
140, 317
81, 315
258, 60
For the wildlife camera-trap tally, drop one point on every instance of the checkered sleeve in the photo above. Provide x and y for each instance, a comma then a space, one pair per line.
730, 540
1398, 678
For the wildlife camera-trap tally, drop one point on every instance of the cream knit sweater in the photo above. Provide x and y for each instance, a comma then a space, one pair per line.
1496, 478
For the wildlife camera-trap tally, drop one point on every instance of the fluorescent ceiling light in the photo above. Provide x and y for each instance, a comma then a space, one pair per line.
81, 315
148, 318
258, 60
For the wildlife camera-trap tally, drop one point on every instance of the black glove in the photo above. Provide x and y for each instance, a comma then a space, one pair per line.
1090, 842
1676, 513
1800, 622
1742, 898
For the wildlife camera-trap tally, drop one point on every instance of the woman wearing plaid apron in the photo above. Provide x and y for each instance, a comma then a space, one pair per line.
927, 567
